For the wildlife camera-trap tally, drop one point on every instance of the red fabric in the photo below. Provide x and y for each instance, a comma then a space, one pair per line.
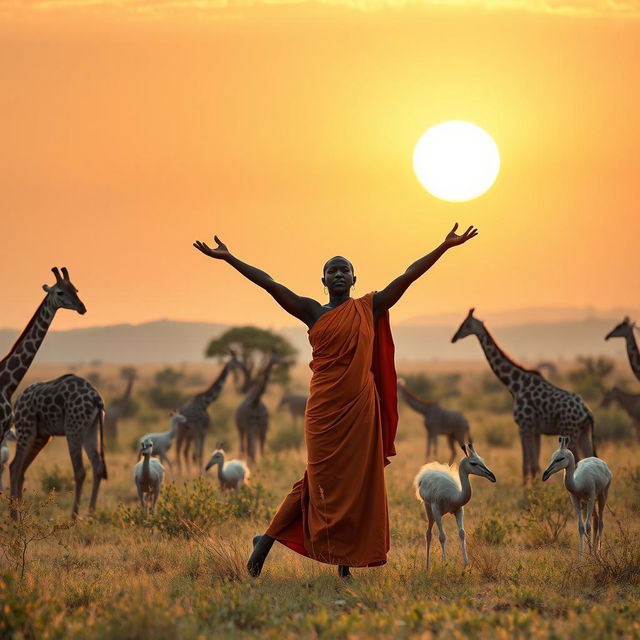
386, 379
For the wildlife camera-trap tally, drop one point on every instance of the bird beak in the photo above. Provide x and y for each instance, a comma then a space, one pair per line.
491, 476
208, 467
546, 474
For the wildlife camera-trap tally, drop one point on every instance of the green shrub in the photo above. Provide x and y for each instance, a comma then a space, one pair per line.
56, 480
494, 531
165, 397
420, 385
168, 377
197, 502
252, 501
545, 513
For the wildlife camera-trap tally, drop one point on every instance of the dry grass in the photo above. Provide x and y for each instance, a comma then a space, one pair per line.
108, 578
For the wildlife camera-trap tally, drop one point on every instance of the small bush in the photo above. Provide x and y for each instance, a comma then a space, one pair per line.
545, 513
197, 502
56, 480
165, 397
494, 532
168, 377
252, 501
420, 385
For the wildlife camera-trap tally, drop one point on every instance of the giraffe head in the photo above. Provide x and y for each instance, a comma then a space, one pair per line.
470, 326
474, 464
63, 294
560, 459
624, 329
217, 457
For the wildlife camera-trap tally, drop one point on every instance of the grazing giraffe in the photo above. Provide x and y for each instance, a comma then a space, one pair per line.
67, 406
625, 330
438, 421
539, 407
252, 415
297, 405
198, 419
116, 408
14, 366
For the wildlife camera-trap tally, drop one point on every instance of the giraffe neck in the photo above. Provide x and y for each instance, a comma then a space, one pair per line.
214, 390
127, 391
414, 402
499, 361
15, 364
261, 385
633, 353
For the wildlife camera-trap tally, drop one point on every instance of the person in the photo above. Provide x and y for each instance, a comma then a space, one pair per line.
337, 512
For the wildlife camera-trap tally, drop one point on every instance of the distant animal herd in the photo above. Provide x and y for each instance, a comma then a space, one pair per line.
70, 406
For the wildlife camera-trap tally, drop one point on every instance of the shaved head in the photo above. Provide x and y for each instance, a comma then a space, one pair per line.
337, 259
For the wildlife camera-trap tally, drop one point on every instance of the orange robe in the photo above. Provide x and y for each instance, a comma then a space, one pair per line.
337, 513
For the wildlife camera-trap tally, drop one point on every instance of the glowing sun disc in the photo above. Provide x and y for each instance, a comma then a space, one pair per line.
456, 160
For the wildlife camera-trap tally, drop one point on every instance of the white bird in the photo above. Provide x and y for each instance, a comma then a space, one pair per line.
233, 474
9, 436
162, 441
586, 482
148, 475
443, 493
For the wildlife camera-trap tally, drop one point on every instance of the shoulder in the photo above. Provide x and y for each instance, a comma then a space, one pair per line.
366, 299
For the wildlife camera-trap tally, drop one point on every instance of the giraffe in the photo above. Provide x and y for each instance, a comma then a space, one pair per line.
625, 330
296, 404
116, 408
198, 419
252, 415
539, 407
14, 366
67, 406
630, 402
439, 421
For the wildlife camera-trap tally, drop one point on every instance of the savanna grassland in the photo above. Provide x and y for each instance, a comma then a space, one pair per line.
182, 574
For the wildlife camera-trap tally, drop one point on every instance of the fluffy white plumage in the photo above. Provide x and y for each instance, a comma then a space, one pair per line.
232, 474
148, 476
162, 441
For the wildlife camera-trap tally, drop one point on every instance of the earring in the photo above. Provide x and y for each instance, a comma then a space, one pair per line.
325, 290
353, 286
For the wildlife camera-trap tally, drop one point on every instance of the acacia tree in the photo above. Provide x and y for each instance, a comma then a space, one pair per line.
251, 347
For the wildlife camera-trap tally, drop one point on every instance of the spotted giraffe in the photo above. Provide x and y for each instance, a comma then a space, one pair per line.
115, 409
539, 407
67, 406
198, 419
625, 330
14, 366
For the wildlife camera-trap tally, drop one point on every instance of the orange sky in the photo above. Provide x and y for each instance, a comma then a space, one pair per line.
288, 130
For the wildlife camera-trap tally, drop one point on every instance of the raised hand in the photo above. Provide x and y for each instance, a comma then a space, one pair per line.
220, 252
453, 239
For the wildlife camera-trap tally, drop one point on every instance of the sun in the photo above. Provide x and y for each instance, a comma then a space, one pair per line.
456, 160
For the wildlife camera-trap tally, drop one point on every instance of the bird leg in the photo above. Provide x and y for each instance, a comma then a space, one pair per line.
463, 544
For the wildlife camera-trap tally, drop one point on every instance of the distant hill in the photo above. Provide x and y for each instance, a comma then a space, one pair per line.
168, 341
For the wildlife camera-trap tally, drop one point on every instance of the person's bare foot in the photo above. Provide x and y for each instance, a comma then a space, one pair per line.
261, 546
343, 572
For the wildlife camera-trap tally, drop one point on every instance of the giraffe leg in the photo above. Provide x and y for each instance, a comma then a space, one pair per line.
263, 437
38, 444
535, 456
251, 447
75, 452
584, 442
525, 457
91, 447
26, 437
451, 440
187, 448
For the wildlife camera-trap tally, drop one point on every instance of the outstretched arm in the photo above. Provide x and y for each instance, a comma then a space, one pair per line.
298, 306
385, 299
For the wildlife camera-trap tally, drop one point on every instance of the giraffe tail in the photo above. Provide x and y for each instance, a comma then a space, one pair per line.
593, 436
101, 424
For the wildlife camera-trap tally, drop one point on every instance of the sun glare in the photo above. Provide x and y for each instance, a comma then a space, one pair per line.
456, 161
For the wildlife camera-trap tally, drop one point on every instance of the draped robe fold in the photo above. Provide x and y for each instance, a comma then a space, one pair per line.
337, 512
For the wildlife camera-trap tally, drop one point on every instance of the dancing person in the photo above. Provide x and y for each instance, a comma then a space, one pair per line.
337, 512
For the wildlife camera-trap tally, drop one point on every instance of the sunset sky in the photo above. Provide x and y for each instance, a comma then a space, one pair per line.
131, 129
